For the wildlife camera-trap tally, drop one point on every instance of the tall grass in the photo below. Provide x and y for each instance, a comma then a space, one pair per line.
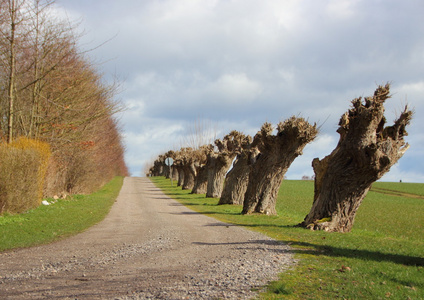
61, 219
382, 258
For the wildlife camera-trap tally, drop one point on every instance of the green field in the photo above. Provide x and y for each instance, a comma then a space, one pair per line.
382, 258
66, 217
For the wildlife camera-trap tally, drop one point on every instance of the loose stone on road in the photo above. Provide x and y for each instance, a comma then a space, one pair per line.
148, 247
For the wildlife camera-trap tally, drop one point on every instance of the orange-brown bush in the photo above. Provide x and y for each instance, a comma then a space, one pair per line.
50, 91
23, 166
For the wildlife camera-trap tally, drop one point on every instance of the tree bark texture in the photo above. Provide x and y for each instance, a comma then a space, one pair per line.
216, 174
201, 180
174, 173
277, 152
180, 175
365, 152
219, 162
236, 180
183, 161
189, 176
199, 158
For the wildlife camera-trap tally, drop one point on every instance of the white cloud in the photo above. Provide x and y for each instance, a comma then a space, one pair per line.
341, 9
235, 87
240, 63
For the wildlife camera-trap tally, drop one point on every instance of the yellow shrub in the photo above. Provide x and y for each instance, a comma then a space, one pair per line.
23, 166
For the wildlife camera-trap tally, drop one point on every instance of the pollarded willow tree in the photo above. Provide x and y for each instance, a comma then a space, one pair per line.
168, 170
158, 168
201, 179
219, 162
365, 152
178, 165
237, 178
277, 152
185, 157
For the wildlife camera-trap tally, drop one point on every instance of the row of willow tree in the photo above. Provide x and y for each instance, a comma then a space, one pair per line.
366, 150
50, 91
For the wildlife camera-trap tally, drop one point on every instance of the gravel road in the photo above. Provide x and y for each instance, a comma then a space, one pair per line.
148, 247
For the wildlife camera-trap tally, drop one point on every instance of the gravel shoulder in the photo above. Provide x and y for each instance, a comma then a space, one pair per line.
148, 247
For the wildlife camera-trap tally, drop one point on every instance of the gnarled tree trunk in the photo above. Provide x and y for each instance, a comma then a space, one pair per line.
277, 152
180, 175
219, 165
365, 152
236, 180
219, 162
200, 159
201, 180
174, 173
189, 175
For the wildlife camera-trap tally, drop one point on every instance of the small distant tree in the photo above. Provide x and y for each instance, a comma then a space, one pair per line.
365, 152
277, 152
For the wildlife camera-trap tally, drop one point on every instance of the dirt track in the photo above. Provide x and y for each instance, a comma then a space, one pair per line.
148, 247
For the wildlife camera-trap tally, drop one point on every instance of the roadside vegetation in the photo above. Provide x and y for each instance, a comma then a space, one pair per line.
381, 258
58, 133
60, 219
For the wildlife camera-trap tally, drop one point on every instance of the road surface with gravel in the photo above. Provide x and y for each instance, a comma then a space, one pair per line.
148, 247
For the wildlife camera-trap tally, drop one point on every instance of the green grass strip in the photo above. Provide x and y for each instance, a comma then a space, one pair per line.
62, 219
382, 258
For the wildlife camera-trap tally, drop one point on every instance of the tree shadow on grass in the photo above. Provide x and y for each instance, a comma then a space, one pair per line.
176, 194
367, 255
268, 245
192, 213
334, 251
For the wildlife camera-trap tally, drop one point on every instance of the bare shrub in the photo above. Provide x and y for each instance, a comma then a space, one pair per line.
23, 166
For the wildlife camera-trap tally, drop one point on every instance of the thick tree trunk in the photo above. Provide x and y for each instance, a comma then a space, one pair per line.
180, 175
189, 175
365, 152
164, 169
174, 173
236, 181
219, 165
276, 155
264, 183
201, 180
167, 171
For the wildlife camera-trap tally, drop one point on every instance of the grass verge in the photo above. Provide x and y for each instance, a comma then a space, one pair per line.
382, 258
64, 218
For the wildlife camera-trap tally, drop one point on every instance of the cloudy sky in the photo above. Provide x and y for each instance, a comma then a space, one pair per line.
235, 64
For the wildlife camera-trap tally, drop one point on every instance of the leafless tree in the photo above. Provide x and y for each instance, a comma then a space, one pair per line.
365, 152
